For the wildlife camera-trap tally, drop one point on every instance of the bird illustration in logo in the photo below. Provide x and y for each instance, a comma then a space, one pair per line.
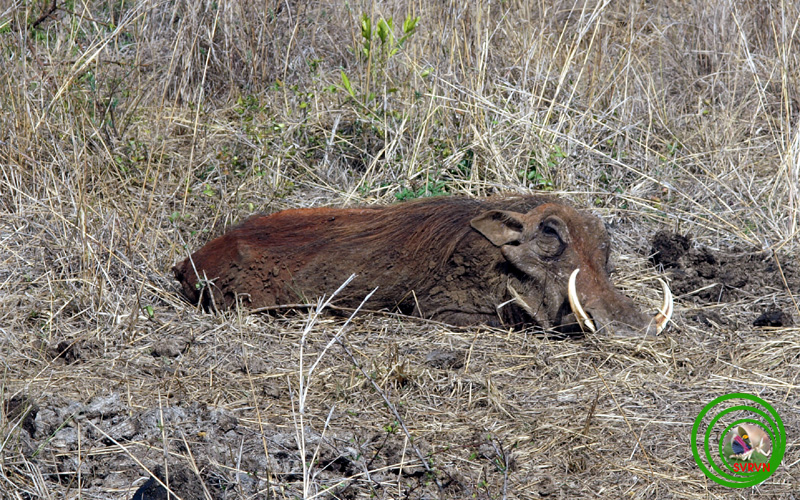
741, 445
747, 439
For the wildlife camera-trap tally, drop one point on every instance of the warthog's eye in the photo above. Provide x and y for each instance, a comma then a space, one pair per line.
549, 230
549, 243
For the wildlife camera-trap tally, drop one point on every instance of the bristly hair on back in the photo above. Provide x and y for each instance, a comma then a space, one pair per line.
426, 223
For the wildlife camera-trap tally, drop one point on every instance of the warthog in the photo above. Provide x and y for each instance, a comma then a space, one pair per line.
507, 261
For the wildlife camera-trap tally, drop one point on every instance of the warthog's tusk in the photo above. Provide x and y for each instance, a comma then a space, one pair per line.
665, 313
517, 298
575, 304
661, 318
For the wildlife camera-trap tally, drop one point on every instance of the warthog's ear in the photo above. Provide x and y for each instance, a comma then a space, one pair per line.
499, 226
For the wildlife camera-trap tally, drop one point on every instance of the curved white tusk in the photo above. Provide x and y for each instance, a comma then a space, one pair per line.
575, 304
665, 313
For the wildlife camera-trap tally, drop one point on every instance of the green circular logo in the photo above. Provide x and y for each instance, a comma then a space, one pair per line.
751, 445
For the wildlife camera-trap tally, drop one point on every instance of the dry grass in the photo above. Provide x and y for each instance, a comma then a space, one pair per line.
132, 132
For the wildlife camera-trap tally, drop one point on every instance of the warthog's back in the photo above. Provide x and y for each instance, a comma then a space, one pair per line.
295, 256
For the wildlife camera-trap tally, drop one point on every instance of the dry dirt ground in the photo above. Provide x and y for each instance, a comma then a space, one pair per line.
233, 406
132, 132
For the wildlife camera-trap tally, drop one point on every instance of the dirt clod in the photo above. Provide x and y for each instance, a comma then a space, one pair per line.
668, 248
446, 360
170, 347
701, 274
182, 483
773, 318
21, 407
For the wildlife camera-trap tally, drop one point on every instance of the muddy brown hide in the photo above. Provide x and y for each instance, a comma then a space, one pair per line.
462, 261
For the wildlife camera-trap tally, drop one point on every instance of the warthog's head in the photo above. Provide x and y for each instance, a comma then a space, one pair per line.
561, 277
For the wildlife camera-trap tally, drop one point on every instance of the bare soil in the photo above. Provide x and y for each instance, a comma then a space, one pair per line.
704, 277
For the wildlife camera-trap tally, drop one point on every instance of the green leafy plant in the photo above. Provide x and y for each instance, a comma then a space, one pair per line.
431, 188
378, 45
537, 174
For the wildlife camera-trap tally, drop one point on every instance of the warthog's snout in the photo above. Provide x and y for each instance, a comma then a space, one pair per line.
640, 324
